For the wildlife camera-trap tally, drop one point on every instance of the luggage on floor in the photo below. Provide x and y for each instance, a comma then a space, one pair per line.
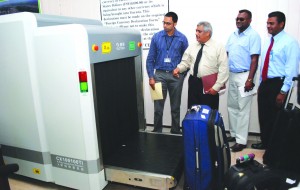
298, 91
285, 140
206, 150
249, 174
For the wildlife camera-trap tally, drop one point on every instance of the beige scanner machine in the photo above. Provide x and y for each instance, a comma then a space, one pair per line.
71, 105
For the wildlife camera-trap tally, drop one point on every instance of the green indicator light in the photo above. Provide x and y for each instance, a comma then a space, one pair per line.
83, 87
132, 45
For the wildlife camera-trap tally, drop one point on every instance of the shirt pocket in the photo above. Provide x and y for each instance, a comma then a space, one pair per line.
210, 58
244, 43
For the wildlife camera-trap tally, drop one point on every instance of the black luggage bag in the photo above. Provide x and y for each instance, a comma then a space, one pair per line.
252, 175
284, 150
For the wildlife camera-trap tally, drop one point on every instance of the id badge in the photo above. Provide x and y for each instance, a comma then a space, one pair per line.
271, 56
167, 60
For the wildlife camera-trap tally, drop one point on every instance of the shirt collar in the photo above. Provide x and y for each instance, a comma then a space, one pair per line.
208, 43
175, 33
245, 32
277, 36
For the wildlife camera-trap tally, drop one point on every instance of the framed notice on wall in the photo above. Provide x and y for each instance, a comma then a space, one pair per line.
14, 6
144, 15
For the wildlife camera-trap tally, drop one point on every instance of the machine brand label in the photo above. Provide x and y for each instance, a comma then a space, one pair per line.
69, 163
120, 46
76, 165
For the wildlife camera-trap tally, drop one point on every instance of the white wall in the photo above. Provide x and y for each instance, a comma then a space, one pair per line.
74, 8
220, 14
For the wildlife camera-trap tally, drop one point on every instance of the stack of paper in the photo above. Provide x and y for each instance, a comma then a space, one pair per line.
157, 93
244, 94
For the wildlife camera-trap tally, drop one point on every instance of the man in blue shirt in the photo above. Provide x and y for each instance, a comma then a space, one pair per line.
166, 50
279, 64
243, 49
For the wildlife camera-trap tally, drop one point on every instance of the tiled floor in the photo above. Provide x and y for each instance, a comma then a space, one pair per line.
23, 183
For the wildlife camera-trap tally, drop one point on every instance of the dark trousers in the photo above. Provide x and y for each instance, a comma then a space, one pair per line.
267, 109
196, 96
173, 85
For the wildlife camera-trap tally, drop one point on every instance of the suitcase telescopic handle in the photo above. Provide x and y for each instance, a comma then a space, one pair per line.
298, 91
290, 92
195, 108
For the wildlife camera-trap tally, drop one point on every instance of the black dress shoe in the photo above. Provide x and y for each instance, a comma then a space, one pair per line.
237, 147
157, 130
259, 146
177, 132
231, 139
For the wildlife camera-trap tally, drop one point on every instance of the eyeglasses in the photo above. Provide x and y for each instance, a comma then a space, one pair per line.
167, 23
240, 19
199, 31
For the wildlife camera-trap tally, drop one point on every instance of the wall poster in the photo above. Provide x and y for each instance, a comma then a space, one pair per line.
144, 15
14, 6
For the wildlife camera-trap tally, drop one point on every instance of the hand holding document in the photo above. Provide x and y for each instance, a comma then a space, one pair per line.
209, 81
157, 93
244, 94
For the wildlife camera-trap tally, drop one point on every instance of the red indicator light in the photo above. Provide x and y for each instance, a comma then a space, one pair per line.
95, 47
82, 76
139, 44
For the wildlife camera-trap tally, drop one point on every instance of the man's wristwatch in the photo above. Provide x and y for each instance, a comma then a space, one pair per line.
250, 80
283, 92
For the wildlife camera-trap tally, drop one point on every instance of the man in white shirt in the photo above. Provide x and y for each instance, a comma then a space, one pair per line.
204, 58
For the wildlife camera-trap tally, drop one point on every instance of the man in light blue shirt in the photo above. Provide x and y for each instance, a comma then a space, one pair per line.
277, 71
243, 49
166, 50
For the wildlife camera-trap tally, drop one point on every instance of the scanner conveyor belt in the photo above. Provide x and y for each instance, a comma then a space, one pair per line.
149, 152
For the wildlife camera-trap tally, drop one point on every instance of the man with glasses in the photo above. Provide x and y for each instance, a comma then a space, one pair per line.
166, 50
243, 49
204, 58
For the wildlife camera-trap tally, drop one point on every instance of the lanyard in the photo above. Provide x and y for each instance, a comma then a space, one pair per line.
169, 45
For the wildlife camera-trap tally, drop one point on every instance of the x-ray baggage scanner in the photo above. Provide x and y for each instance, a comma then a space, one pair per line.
72, 105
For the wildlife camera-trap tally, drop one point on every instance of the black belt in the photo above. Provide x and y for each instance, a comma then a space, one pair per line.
240, 71
196, 77
275, 78
165, 71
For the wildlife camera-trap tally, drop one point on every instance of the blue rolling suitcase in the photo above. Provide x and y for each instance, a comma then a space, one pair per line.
206, 150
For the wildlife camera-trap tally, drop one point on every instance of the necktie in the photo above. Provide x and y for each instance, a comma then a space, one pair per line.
199, 55
264, 73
